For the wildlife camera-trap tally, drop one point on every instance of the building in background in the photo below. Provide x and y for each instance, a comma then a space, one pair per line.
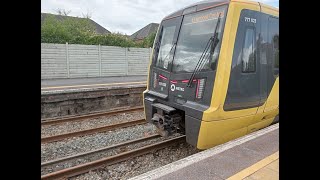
145, 32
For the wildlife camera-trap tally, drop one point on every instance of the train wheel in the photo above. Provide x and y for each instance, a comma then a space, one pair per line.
162, 132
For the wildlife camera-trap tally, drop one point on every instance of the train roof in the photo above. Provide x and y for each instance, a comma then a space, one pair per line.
211, 3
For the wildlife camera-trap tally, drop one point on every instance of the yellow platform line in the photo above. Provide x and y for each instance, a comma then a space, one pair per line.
255, 167
88, 85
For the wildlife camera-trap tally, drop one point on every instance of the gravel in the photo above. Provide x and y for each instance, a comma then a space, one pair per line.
123, 170
50, 151
96, 156
140, 164
50, 130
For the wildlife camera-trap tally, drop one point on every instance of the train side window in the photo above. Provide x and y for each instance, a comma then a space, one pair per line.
273, 39
248, 52
276, 51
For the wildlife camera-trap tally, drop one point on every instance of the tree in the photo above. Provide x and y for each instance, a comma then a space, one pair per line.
63, 12
82, 31
69, 29
88, 15
148, 41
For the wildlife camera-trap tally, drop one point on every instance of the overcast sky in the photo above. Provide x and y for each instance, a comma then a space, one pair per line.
125, 16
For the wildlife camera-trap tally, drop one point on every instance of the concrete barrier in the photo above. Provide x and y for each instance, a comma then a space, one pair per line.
57, 103
83, 61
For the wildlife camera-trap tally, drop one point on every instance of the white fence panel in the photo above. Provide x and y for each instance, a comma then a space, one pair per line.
83, 60
78, 61
113, 61
138, 61
53, 61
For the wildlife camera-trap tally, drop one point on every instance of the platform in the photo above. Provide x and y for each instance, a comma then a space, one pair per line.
254, 156
78, 83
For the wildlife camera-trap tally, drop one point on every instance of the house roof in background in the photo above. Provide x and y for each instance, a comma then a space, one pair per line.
145, 31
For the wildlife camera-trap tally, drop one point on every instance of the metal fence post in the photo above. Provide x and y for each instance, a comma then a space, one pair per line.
127, 61
100, 63
68, 66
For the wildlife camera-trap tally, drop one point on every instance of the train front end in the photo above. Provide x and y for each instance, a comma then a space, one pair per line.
183, 68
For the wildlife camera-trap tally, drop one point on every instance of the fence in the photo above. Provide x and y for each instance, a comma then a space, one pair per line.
75, 61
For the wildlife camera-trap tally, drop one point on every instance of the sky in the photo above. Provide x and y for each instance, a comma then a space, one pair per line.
124, 16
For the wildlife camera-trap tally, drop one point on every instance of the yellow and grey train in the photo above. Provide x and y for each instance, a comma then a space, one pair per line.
214, 72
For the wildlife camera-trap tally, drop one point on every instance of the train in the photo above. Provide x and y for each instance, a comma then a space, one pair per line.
214, 72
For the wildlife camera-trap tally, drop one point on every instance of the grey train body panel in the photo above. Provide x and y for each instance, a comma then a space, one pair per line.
275, 120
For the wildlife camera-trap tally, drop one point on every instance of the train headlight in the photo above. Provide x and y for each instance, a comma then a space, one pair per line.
200, 88
155, 81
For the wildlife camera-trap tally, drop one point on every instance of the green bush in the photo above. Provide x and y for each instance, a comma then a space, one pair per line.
148, 41
82, 31
112, 40
67, 30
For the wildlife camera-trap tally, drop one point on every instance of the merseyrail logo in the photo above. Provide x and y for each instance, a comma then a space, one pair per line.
207, 17
172, 87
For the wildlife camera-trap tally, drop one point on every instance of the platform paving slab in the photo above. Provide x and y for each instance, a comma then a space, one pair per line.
223, 161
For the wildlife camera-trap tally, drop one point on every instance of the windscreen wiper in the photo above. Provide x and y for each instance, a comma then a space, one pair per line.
213, 41
173, 45
156, 48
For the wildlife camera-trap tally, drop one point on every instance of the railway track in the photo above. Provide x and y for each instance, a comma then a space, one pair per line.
92, 130
53, 121
86, 167
56, 121
81, 155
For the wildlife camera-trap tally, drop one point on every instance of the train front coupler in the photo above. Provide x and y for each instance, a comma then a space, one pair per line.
166, 119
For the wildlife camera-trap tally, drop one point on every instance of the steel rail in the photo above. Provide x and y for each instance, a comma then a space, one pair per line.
99, 150
92, 131
83, 168
51, 121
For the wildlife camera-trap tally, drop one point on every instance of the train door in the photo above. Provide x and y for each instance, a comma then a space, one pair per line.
244, 83
273, 63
